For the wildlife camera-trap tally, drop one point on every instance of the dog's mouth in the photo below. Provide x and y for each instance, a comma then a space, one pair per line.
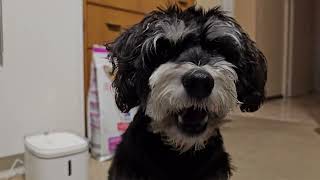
192, 121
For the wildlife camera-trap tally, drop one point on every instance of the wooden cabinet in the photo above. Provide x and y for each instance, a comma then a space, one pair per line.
140, 6
106, 24
104, 20
148, 5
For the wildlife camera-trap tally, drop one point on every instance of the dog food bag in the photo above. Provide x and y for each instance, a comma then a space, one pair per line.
105, 122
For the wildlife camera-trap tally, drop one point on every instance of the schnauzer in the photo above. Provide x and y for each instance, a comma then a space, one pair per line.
185, 70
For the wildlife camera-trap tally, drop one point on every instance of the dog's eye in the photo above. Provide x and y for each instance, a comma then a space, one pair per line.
158, 55
164, 47
166, 50
226, 46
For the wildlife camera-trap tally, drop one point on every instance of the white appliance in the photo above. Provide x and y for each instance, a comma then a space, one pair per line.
56, 156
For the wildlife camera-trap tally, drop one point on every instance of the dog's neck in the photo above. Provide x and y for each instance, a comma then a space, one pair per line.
144, 144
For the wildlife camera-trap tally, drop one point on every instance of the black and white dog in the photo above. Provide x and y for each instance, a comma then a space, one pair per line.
185, 70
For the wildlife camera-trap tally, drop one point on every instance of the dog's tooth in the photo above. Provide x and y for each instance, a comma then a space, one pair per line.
180, 119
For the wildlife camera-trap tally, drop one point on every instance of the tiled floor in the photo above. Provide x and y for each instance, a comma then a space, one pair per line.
304, 110
280, 142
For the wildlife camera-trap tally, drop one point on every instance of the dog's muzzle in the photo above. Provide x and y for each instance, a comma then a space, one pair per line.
188, 102
198, 84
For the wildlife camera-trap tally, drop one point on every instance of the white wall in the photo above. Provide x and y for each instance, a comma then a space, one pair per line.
41, 83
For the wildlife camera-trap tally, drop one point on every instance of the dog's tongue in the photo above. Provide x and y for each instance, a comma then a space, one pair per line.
193, 116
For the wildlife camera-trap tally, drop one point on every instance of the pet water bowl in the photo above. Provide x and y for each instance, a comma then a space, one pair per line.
56, 156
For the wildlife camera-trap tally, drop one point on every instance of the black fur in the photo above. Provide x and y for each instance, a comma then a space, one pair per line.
142, 155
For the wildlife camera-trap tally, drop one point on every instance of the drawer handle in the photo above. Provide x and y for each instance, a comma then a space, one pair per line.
183, 2
114, 27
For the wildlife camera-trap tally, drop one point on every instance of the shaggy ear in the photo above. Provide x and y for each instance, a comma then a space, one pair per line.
125, 94
124, 53
252, 73
228, 38
130, 52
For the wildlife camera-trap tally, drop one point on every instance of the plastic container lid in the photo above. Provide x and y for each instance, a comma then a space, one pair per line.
57, 144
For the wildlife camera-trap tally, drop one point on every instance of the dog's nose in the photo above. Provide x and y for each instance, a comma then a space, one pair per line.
198, 83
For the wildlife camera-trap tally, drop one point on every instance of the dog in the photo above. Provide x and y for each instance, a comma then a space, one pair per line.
185, 70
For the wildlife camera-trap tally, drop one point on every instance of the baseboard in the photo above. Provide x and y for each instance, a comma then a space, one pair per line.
6, 162
4, 175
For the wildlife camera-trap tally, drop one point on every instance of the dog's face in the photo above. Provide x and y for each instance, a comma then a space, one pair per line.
187, 70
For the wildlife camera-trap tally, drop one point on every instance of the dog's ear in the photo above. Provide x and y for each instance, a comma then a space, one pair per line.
129, 53
228, 38
252, 74
124, 54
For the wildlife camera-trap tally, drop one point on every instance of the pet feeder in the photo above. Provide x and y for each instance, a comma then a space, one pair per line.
53, 156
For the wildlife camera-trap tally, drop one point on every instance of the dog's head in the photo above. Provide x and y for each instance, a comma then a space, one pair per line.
187, 70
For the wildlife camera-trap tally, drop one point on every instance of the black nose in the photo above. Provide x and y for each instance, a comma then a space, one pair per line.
198, 83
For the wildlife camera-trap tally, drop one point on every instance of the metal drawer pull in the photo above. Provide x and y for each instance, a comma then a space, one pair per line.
114, 27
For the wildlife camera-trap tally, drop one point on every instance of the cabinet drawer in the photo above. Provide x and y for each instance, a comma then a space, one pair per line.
149, 5
105, 24
184, 3
131, 5
141, 6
